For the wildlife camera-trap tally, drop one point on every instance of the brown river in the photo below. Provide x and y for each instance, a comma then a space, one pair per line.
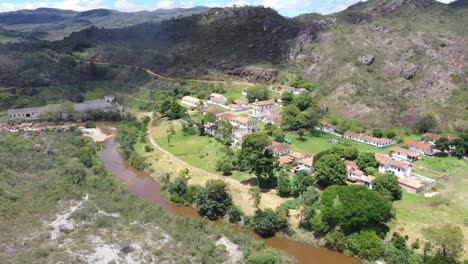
145, 186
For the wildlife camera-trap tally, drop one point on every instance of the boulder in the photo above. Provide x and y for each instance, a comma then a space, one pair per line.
126, 246
408, 71
367, 59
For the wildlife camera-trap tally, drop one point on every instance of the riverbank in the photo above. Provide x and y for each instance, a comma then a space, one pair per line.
145, 186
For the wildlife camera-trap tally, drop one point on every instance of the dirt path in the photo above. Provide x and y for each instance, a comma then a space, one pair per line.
239, 192
150, 72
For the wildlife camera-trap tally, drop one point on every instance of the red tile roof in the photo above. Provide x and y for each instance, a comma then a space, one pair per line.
410, 183
266, 102
285, 160
407, 152
418, 144
434, 136
367, 137
386, 160
307, 161
300, 155
328, 125
350, 164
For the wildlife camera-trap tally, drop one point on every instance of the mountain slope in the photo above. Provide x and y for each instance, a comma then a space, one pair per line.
387, 63
55, 24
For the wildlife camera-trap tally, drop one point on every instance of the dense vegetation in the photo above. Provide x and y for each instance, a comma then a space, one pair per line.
47, 172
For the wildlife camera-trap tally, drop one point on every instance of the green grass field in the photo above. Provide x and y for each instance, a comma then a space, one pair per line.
318, 142
201, 152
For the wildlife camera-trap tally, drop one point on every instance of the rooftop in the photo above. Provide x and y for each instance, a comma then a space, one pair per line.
412, 183
418, 144
407, 152
263, 103
367, 137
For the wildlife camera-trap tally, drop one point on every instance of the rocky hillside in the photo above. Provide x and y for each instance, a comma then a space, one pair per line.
386, 62
54, 24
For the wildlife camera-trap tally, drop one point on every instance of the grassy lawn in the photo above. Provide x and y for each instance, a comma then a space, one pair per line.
426, 173
233, 94
443, 164
414, 211
201, 152
318, 142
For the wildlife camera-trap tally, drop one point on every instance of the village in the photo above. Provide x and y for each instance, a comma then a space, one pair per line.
393, 157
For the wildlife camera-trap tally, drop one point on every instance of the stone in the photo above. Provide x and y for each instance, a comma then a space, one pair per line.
367, 59
408, 71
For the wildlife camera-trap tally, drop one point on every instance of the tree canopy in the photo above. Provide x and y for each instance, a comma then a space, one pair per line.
366, 160
258, 92
330, 170
353, 208
213, 201
387, 185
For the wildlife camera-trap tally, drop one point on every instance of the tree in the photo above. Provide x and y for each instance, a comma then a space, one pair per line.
257, 158
266, 256
74, 172
367, 244
309, 200
213, 201
350, 153
225, 164
313, 115
387, 185
302, 101
330, 170
178, 188
258, 92
278, 135
353, 208
442, 144
367, 159
460, 146
267, 223
300, 182
293, 118
301, 133
256, 196
287, 98
235, 214
447, 239
378, 133
283, 187
426, 123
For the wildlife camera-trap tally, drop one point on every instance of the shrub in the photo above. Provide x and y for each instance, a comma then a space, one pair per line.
235, 214
90, 124
267, 223
266, 256
366, 244
213, 201
148, 148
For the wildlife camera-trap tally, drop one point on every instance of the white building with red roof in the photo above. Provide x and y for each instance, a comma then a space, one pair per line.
217, 99
420, 147
240, 123
275, 119
370, 140
279, 149
263, 108
326, 127
387, 164
404, 154
431, 138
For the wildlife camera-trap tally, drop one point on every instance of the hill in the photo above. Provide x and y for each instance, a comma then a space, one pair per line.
387, 63
55, 24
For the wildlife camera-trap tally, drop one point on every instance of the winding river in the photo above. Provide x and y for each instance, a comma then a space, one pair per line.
145, 186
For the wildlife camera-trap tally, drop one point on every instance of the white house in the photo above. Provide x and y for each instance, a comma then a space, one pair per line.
404, 154
326, 127
273, 119
306, 164
279, 149
191, 101
388, 164
217, 99
423, 148
263, 108
366, 139
239, 122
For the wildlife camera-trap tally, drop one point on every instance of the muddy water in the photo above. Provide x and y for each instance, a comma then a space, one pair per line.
148, 188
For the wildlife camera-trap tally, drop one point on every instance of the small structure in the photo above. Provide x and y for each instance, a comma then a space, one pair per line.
244, 92
300, 155
370, 140
217, 99
211, 129
306, 164
431, 138
423, 148
388, 164
241, 123
263, 108
326, 127
214, 111
273, 119
285, 160
411, 185
191, 101
404, 154
109, 98
279, 149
